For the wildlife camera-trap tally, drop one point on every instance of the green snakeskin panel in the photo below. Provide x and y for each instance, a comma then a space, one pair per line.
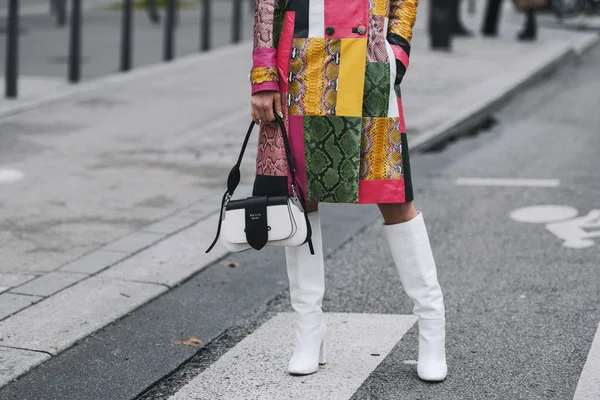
377, 90
332, 158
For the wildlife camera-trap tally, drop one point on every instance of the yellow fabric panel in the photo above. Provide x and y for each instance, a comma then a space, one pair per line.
296, 86
351, 81
263, 74
313, 78
380, 7
381, 149
394, 151
403, 15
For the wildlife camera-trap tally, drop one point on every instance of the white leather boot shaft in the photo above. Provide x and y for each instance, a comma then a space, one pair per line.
432, 350
411, 250
306, 274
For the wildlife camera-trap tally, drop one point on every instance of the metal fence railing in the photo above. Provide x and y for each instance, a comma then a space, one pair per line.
440, 31
60, 10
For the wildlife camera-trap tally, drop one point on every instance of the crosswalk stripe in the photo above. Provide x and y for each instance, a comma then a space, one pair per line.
588, 387
256, 367
507, 182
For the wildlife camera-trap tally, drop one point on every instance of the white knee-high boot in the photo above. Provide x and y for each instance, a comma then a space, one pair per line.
306, 274
411, 250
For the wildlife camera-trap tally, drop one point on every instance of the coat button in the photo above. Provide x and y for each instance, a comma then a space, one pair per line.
362, 30
330, 30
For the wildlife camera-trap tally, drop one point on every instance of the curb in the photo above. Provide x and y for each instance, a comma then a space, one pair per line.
478, 113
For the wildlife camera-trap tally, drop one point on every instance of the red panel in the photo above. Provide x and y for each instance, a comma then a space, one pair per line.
259, 87
401, 117
296, 136
263, 58
401, 55
382, 191
285, 50
343, 15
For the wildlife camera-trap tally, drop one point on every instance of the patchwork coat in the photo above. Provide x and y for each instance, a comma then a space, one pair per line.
338, 65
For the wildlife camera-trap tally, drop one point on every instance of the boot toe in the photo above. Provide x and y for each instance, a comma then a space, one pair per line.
432, 371
302, 367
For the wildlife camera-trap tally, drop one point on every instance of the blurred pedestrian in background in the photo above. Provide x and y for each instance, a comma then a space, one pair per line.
459, 28
492, 16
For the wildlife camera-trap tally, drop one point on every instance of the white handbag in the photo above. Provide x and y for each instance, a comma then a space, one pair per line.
259, 221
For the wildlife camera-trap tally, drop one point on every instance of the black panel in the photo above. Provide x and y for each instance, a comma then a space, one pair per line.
300, 7
408, 189
403, 43
399, 41
270, 186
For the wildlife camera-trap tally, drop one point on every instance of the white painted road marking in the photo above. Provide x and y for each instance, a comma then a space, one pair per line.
507, 182
256, 367
576, 233
588, 387
543, 214
10, 175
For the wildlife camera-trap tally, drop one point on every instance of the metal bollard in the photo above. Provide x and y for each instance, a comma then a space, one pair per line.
126, 35
205, 25
441, 24
152, 10
61, 12
236, 33
75, 43
12, 51
169, 50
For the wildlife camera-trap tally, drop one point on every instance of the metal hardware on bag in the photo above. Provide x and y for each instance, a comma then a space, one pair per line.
296, 201
224, 209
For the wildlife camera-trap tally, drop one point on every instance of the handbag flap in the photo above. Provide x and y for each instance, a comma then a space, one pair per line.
257, 229
280, 222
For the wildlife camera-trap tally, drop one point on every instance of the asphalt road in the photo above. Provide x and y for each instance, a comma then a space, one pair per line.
522, 308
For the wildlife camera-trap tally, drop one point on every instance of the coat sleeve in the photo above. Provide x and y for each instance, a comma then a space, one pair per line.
403, 15
263, 75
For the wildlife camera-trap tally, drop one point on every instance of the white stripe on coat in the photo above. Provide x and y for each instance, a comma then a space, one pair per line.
393, 103
316, 18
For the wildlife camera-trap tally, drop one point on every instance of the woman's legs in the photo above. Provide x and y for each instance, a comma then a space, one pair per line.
459, 28
397, 213
306, 274
529, 31
492, 16
409, 243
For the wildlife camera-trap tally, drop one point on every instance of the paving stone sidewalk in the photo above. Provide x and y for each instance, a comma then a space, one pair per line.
122, 180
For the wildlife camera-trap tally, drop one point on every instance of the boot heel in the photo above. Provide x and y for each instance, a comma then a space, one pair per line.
323, 353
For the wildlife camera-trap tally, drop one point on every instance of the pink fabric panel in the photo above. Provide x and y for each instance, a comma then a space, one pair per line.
285, 49
382, 191
343, 15
270, 157
296, 136
401, 55
401, 117
259, 87
263, 24
264, 58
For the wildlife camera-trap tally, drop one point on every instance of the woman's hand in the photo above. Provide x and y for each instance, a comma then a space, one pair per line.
262, 106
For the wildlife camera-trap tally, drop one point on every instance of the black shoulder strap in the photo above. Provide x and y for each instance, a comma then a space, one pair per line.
235, 175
